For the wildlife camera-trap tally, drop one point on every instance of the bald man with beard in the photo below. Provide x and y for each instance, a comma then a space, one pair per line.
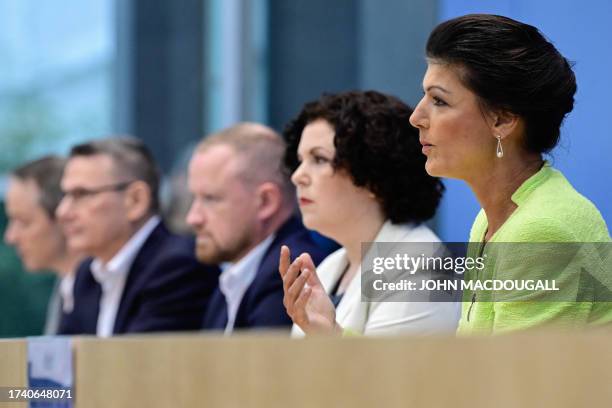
243, 211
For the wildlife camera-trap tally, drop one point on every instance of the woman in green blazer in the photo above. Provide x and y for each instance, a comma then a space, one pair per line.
495, 95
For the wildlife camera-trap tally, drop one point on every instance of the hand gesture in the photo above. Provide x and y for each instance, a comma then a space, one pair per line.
305, 299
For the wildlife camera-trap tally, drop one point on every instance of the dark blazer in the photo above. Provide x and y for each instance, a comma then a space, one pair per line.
262, 304
166, 290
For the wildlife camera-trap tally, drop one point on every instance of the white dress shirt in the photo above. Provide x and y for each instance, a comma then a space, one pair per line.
61, 300
65, 290
112, 276
236, 279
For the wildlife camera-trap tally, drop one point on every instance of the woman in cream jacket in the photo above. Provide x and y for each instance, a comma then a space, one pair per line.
360, 178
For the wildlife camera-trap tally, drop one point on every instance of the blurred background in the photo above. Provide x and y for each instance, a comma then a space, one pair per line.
171, 71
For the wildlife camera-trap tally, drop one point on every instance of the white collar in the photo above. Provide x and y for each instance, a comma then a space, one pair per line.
119, 266
66, 285
252, 258
237, 277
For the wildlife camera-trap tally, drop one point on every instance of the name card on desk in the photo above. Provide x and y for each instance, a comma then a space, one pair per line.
50, 375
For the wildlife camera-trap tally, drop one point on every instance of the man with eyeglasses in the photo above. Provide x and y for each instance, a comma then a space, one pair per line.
140, 277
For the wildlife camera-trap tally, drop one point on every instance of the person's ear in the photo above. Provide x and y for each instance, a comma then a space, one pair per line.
269, 200
137, 200
505, 123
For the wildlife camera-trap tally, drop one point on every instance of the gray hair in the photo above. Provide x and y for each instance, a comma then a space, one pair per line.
130, 156
46, 173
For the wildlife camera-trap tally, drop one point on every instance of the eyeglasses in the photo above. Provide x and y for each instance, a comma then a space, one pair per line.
78, 194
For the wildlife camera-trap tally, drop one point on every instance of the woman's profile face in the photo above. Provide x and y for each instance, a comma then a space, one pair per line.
457, 139
328, 199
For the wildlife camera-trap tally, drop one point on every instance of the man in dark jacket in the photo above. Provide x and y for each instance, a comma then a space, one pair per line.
139, 277
243, 211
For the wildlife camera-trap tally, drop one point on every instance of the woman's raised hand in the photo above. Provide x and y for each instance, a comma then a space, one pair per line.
305, 299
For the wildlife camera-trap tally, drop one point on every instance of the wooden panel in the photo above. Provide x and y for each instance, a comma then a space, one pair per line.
529, 370
13, 367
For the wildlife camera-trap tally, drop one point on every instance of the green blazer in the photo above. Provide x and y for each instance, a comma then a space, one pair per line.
554, 234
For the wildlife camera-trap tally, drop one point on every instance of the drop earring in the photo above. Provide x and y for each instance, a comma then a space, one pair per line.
500, 151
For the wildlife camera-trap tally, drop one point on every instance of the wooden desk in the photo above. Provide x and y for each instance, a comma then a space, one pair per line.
13, 367
527, 370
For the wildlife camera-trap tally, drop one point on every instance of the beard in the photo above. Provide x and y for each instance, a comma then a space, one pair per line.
209, 251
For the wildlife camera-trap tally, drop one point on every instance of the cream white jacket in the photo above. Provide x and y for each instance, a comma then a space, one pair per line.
386, 318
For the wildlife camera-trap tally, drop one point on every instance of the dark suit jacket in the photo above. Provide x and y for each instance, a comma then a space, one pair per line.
166, 290
262, 304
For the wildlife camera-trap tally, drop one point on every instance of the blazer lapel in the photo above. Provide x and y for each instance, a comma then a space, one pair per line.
351, 299
331, 269
132, 282
351, 309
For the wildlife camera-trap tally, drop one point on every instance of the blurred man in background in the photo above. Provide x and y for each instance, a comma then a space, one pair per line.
141, 277
31, 200
242, 212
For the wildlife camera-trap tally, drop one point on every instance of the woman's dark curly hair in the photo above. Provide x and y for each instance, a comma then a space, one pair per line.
378, 147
